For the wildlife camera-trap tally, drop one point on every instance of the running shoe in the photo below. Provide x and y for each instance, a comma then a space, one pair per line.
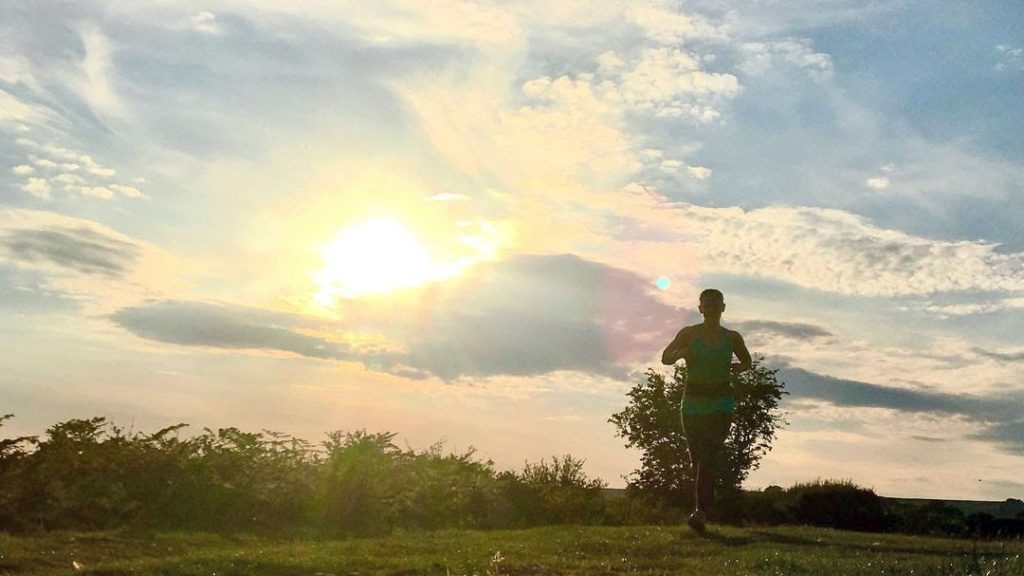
697, 521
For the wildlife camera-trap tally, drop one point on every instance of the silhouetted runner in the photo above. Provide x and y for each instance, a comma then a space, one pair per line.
708, 405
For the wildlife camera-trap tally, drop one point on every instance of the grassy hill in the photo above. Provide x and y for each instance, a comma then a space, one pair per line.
999, 509
547, 550
1009, 508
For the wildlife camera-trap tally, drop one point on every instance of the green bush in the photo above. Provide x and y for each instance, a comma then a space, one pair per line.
89, 474
562, 493
934, 517
836, 504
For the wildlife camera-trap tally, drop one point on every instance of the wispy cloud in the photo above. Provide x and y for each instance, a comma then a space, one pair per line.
840, 252
998, 413
1009, 57
82, 250
225, 326
1015, 356
205, 22
796, 330
762, 58
85, 260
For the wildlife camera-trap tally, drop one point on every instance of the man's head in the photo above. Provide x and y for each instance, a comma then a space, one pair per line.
712, 302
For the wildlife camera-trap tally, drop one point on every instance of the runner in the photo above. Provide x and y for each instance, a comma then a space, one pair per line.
708, 405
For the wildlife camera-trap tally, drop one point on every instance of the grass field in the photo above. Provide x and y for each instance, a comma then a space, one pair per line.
548, 550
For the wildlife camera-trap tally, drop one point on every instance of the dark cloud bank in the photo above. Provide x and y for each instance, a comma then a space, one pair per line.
525, 316
1000, 415
79, 249
222, 326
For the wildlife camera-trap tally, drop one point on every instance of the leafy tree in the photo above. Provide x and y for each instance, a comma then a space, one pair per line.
651, 422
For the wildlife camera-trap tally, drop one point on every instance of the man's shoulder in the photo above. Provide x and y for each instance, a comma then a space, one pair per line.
733, 334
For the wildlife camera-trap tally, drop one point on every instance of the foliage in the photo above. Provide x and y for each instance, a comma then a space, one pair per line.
651, 422
562, 492
836, 504
90, 474
932, 518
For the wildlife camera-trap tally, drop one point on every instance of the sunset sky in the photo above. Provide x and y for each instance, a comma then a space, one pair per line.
449, 220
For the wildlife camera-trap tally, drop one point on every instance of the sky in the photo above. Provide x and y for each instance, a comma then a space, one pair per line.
482, 222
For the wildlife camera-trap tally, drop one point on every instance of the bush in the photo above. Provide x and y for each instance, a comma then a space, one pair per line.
934, 517
89, 474
562, 493
832, 503
836, 504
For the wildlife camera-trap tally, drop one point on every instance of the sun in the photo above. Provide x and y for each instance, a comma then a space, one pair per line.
375, 256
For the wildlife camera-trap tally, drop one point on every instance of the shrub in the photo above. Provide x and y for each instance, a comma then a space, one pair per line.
836, 504
89, 474
934, 517
562, 492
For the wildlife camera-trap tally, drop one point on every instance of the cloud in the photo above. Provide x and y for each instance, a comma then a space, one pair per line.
671, 166
101, 192
944, 310
70, 181
37, 187
878, 183
127, 191
446, 197
762, 58
538, 314
668, 82
998, 414
96, 169
18, 115
224, 326
1009, 57
840, 252
529, 315
79, 173
25, 292
1007, 435
1017, 356
699, 172
82, 259
204, 22
43, 162
96, 78
82, 250
666, 25
786, 329
23, 170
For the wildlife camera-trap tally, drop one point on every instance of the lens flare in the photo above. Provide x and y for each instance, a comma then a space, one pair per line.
663, 283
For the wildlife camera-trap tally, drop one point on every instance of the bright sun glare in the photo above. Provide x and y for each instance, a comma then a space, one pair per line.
377, 255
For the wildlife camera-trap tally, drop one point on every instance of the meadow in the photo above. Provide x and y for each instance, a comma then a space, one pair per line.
566, 549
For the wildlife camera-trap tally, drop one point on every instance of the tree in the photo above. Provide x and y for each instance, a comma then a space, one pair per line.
651, 422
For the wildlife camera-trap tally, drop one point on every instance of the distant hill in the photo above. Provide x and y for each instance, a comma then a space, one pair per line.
1009, 508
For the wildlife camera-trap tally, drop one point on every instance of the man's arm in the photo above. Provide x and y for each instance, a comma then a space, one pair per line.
739, 348
678, 348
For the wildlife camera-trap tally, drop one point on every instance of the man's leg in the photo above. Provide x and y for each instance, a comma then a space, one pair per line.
713, 453
694, 427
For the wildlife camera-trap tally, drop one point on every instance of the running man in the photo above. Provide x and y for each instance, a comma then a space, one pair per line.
708, 404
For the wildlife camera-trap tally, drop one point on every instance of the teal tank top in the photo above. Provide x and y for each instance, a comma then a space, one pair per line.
707, 377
